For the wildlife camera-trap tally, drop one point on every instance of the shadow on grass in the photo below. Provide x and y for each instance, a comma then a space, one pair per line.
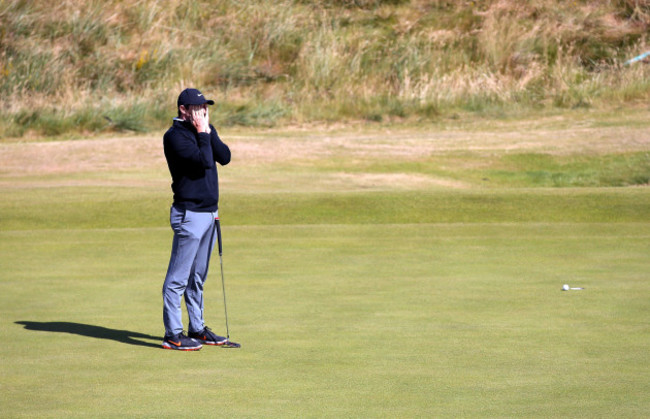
98, 332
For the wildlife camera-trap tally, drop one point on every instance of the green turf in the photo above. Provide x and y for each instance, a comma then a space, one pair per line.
114, 207
369, 303
367, 320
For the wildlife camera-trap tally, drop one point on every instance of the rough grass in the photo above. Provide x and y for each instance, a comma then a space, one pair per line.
90, 66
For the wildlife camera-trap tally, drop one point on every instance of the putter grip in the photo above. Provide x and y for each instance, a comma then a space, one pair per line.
219, 236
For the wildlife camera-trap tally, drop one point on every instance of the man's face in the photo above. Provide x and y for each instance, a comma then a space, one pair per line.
187, 112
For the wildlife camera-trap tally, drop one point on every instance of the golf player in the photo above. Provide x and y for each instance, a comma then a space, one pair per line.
192, 149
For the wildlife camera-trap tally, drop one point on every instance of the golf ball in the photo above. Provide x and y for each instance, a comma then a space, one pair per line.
565, 287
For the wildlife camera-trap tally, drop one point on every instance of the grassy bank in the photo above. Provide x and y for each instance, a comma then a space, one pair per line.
88, 67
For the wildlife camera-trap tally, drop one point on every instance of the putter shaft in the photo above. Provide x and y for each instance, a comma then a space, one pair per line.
223, 288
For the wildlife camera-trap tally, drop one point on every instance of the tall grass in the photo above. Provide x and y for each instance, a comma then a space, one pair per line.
75, 66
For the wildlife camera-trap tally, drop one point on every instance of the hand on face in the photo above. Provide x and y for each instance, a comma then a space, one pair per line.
198, 116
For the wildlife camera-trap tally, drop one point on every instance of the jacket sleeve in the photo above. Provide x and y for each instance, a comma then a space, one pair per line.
189, 152
221, 152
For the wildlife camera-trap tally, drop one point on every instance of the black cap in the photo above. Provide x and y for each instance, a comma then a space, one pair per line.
192, 97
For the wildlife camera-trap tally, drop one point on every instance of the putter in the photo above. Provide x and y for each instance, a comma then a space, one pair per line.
228, 343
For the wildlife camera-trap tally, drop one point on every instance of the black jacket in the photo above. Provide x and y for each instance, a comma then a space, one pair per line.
191, 158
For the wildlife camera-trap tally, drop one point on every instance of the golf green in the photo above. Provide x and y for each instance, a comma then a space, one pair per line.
349, 300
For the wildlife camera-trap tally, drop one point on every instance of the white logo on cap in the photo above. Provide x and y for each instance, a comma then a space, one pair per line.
199, 94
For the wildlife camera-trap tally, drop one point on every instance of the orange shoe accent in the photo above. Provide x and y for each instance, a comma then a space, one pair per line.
185, 349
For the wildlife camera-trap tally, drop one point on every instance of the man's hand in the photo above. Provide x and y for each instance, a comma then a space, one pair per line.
200, 119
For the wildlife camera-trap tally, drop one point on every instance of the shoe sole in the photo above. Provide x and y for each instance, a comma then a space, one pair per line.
181, 348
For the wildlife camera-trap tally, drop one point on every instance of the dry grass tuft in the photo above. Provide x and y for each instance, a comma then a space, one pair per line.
113, 66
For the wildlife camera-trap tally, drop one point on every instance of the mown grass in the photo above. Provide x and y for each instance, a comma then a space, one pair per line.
91, 66
89, 207
525, 169
606, 170
357, 283
362, 319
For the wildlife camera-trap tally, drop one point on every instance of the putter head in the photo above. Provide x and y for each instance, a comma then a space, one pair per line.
230, 344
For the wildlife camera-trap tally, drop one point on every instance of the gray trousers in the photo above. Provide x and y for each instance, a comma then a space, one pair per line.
194, 238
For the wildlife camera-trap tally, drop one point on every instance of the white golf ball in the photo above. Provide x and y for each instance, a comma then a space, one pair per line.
565, 287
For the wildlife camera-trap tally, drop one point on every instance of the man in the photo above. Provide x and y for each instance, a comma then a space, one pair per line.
192, 146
